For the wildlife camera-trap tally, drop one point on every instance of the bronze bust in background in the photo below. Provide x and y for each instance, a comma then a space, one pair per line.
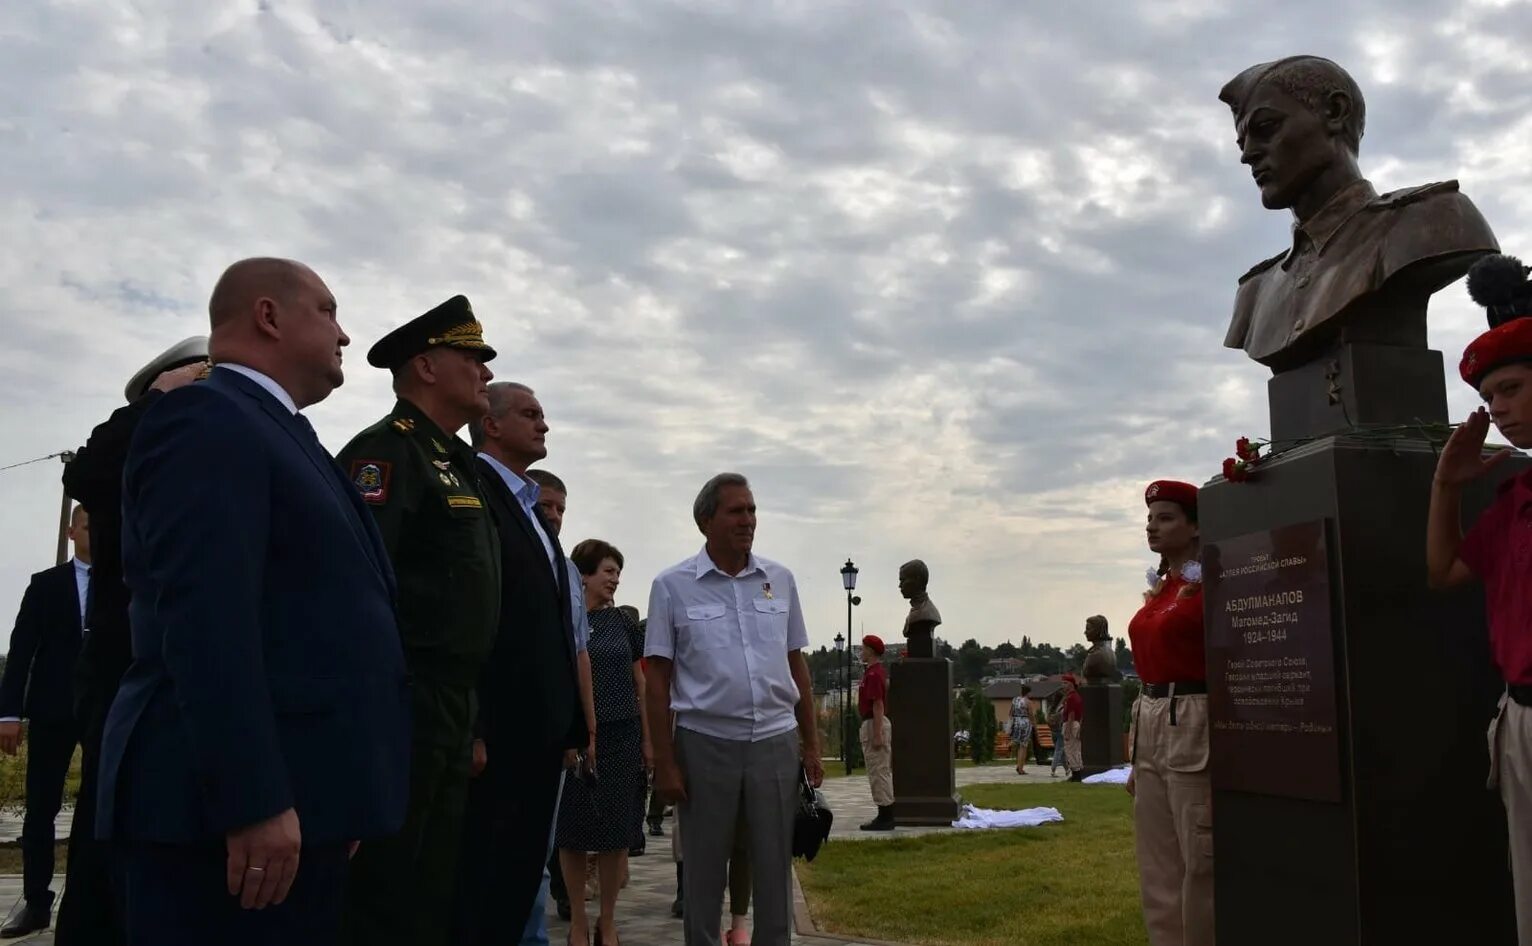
1100, 661
1361, 266
923, 617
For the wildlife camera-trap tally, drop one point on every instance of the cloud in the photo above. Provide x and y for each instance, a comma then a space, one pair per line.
947, 282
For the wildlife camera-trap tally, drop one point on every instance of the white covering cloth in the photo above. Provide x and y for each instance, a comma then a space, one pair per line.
1117, 776
978, 819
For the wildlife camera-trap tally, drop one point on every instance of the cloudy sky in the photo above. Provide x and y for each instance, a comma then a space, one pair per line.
946, 280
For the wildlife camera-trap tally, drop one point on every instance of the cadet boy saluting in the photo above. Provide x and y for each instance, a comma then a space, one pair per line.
420, 482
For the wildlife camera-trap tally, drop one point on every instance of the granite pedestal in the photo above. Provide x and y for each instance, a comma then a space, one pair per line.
1101, 729
1348, 702
920, 705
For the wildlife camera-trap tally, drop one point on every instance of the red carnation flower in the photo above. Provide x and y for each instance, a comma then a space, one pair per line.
1244, 449
1235, 471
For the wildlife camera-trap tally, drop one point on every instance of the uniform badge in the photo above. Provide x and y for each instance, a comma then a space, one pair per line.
438, 445
766, 590
371, 478
404, 425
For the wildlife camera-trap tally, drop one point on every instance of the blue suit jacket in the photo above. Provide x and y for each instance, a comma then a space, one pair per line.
267, 670
39, 673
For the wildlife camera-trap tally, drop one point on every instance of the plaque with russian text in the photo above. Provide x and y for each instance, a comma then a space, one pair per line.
1271, 664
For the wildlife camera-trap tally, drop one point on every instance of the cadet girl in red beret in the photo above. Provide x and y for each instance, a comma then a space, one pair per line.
1498, 548
877, 733
1172, 793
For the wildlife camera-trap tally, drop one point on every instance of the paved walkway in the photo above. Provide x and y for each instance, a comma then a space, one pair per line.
644, 906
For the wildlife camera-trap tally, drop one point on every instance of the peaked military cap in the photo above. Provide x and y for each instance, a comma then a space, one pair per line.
449, 325
188, 351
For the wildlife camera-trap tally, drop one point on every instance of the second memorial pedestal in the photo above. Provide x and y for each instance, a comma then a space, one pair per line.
920, 705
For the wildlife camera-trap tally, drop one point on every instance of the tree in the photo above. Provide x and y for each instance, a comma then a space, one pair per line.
1026, 646
943, 650
1130, 691
1006, 650
853, 723
982, 728
971, 661
1077, 655
1124, 656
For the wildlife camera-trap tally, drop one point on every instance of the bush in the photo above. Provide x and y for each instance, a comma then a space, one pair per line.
852, 721
982, 726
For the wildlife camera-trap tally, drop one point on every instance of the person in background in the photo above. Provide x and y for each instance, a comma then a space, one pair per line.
553, 501
1056, 727
264, 720
1073, 715
44, 646
1498, 365
1171, 788
877, 734
639, 845
87, 914
725, 648
598, 811
1020, 731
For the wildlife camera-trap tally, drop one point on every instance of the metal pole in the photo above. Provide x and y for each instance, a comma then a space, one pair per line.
845, 734
63, 546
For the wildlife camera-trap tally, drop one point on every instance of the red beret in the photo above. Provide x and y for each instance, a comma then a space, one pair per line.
1503, 345
875, 642
1171, 491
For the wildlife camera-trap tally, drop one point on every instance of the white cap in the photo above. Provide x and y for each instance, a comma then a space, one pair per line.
187, 351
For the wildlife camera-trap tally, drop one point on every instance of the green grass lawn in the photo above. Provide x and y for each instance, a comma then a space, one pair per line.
1073, 883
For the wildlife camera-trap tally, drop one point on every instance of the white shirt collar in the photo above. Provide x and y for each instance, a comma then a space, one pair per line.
80, 567
525, 491
706, 564
274, 389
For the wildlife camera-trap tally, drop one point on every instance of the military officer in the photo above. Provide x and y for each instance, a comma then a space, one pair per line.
421, 484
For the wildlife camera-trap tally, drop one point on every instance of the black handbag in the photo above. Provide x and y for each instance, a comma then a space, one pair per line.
812, 821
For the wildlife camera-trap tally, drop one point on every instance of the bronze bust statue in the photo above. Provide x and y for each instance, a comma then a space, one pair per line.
1361, 266
923, 617
1100, 662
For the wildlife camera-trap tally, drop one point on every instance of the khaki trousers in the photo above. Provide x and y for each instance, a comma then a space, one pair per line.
880, 762
1073, 753
1510, 755
1173, 820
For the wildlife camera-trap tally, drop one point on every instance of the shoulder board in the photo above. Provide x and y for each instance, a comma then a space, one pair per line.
1410, 195
1262, 266
403, 425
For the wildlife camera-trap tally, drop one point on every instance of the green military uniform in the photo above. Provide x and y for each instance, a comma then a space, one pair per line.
423, 488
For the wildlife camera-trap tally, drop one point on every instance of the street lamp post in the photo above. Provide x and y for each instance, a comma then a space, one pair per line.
848, 579
840, 704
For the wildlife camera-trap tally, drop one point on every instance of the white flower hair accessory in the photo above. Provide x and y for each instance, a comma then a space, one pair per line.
1191, 571
1153, 575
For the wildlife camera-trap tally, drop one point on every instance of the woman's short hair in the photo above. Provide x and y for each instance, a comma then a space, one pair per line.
589, 555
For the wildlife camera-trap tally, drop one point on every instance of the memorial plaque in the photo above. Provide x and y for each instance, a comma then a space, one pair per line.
1271, 664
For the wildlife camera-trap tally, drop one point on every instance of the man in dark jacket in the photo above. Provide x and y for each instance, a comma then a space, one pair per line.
36, 686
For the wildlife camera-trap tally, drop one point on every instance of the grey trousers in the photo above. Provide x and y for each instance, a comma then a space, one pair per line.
721, 776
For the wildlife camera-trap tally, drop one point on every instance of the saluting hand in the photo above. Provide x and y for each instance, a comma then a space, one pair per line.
263, 860
1462, 460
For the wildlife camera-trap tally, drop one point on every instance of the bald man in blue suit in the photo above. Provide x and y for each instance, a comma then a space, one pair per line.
263, 727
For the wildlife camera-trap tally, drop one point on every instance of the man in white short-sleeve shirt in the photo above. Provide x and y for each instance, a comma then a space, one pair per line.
724, 647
